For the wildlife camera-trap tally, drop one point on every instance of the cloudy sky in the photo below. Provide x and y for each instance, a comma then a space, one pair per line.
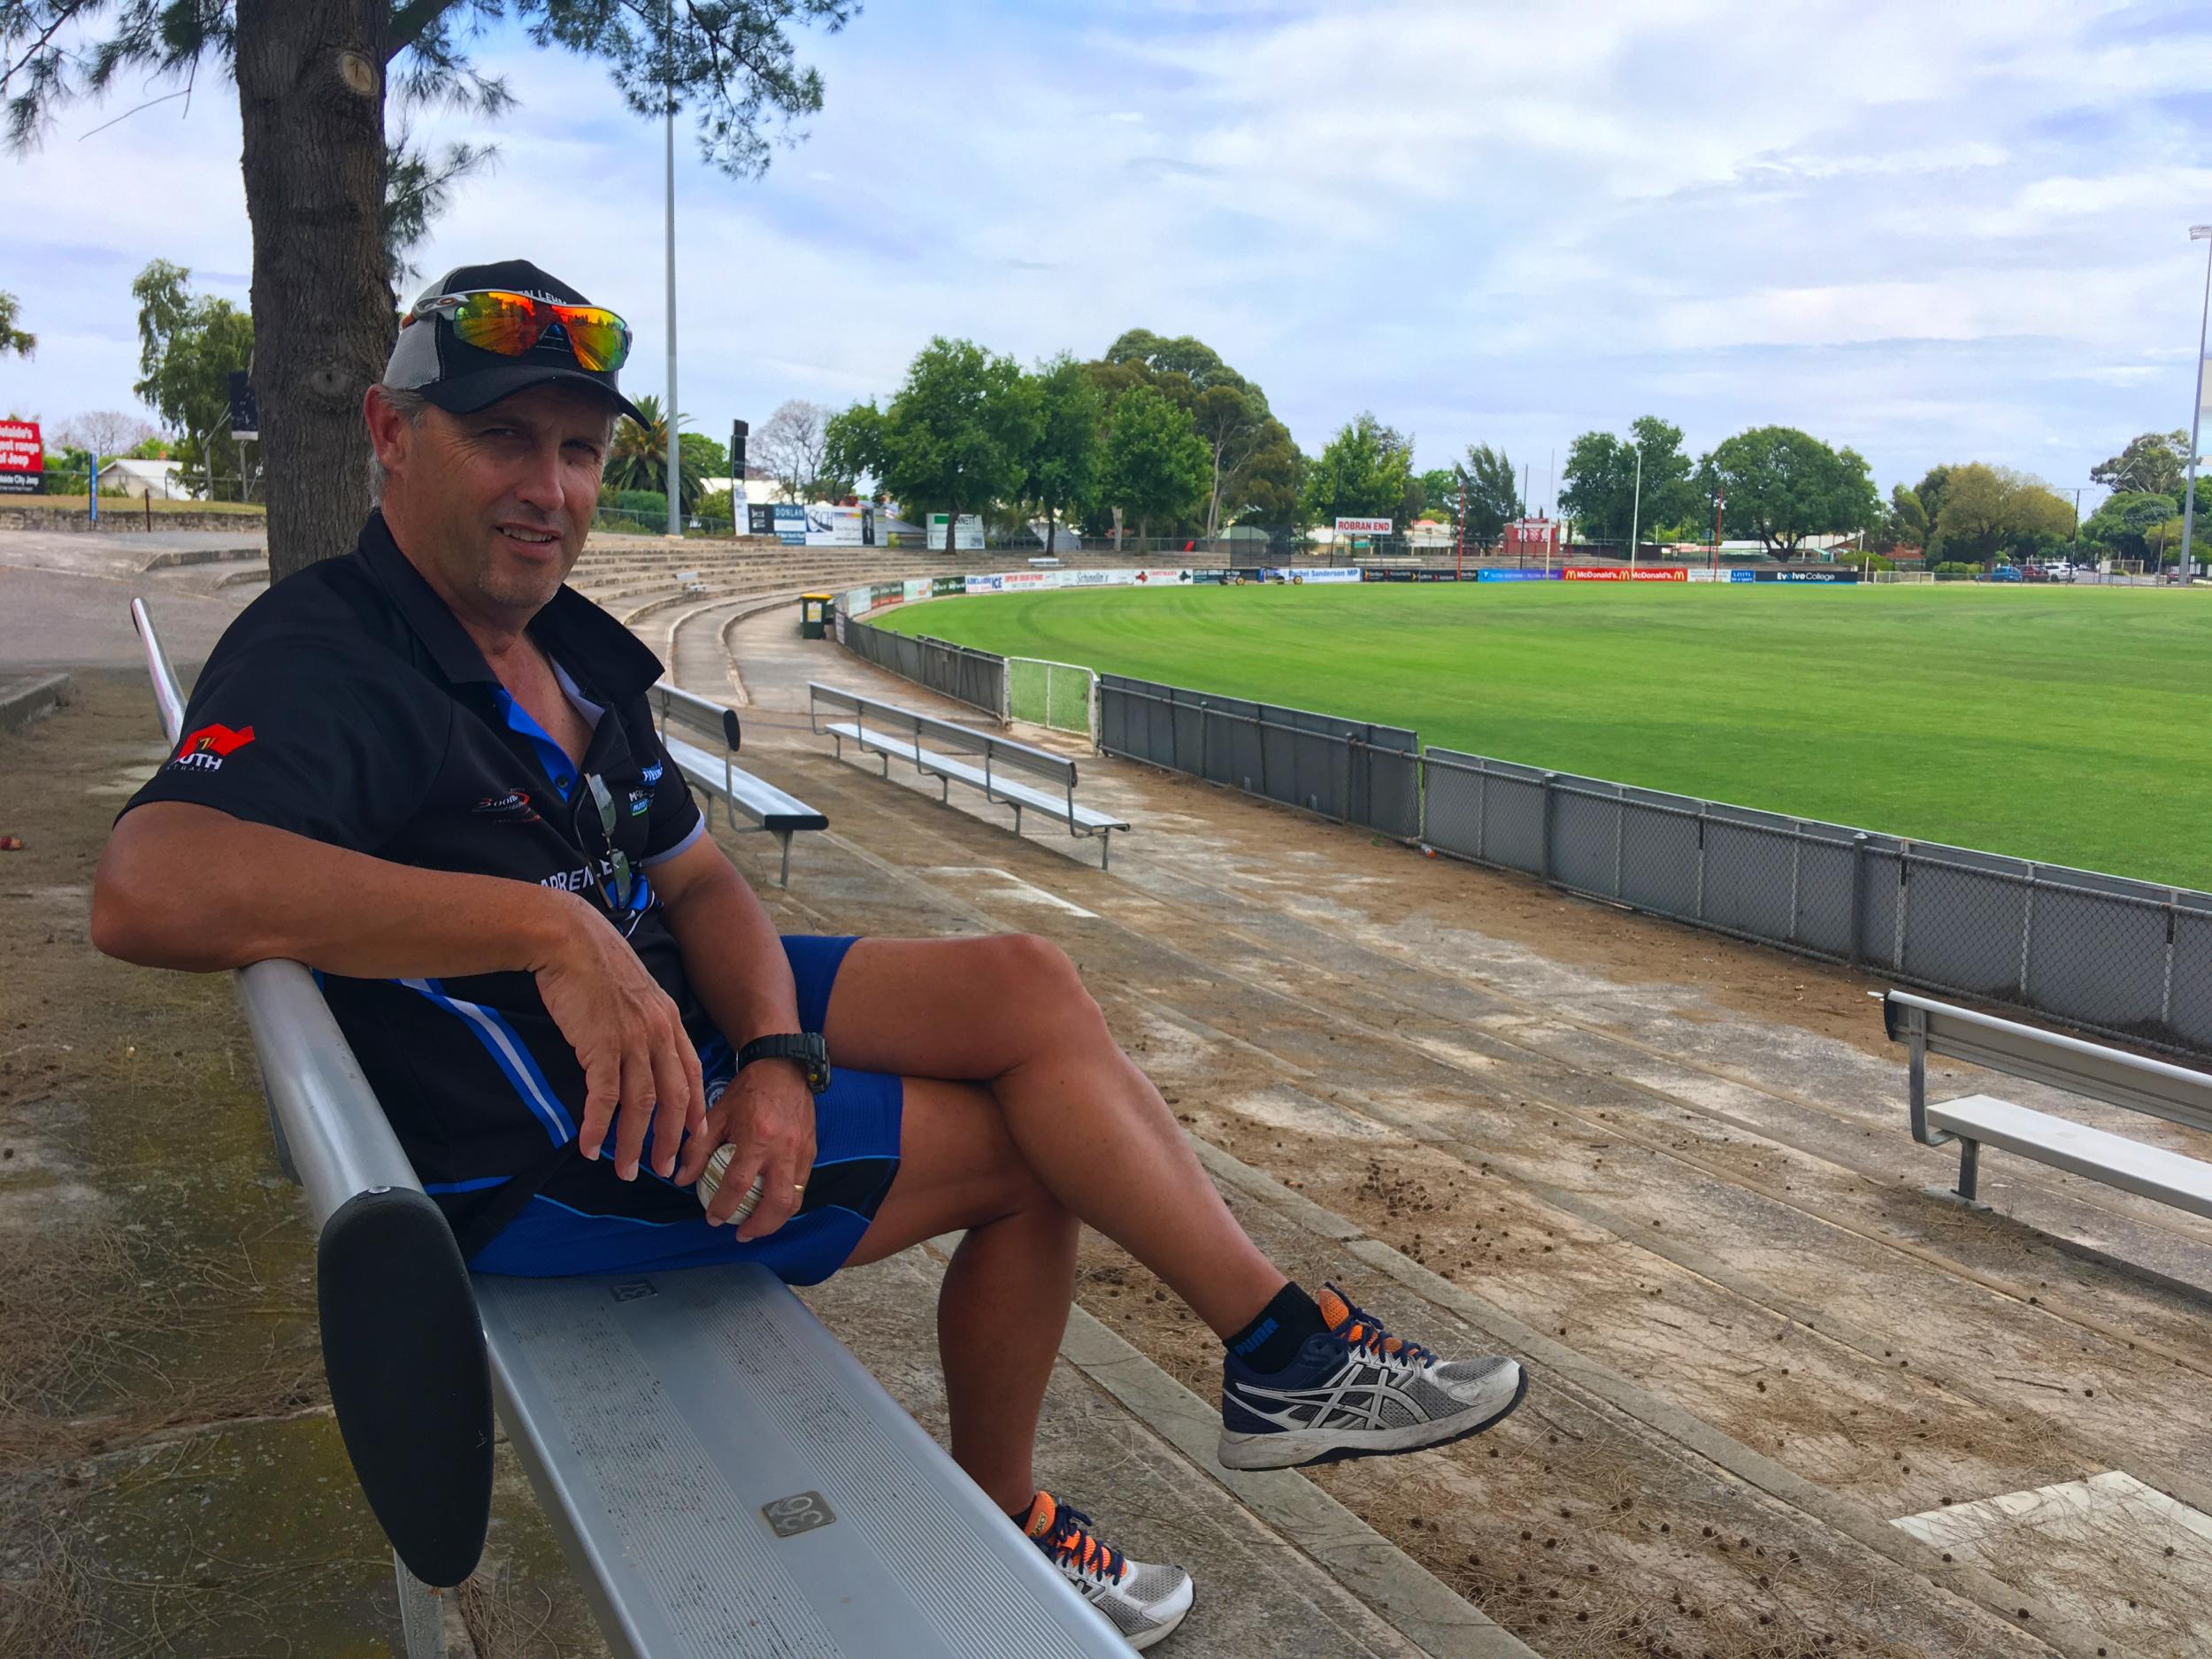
1935, 232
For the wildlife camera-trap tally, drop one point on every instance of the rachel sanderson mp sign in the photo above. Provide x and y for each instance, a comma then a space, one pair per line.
22, 458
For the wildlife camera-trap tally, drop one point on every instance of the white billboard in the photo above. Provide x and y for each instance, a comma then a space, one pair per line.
1363, 526
967, 536
836, 526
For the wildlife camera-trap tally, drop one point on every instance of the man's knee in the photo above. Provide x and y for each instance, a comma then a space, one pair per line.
1039, 980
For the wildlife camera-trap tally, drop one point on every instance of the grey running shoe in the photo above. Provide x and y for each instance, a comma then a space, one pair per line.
1144, 1602
1357, 1391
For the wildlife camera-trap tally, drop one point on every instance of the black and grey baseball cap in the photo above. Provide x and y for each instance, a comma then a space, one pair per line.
429, 358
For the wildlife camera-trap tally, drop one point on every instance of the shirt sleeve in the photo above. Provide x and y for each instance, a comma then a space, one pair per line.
304, 735
674, 822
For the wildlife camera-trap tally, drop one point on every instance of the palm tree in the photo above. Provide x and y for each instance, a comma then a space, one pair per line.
638, 458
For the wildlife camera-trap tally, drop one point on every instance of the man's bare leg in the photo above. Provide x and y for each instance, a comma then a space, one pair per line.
1004, 1300
1010, 1012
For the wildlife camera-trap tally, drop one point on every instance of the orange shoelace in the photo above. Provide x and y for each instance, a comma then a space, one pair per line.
1358, 1328
1065, 1535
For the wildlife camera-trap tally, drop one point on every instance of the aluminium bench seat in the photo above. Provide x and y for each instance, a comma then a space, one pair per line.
716, 775
2157, 1088
885, 730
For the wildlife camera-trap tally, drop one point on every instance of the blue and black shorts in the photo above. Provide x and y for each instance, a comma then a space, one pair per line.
856, 1126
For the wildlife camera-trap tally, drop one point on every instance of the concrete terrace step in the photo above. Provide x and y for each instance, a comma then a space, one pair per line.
1750, 1330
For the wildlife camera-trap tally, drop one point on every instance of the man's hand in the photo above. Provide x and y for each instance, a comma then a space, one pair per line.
767, 1116
630, 1039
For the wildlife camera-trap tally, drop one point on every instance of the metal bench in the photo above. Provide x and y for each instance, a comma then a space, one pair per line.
725, 1480
720, 778
2172, 1092
884, 729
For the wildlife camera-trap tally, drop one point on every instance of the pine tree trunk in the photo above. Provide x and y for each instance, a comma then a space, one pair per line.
310, 99
952, 525
1050, 527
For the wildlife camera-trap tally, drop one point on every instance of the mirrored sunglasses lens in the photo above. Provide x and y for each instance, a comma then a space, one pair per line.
600, 339
509, 324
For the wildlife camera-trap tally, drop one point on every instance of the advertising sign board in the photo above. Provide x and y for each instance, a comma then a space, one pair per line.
1161, 579
837, 527
1516, 576
918, 587
1828, 576
788, 523
22, 458
1595, 573
1663, 573
942, 586
1012, 579
985, 584
967, 536
1342, 573
1364, 526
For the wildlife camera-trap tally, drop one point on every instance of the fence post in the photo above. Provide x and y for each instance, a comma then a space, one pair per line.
1858, 897
1797, 860
2027, 930
1620, 831
1544, 844
1259, 735
1904, 900
1482, 807
1204, 720
2166, 982
1700, 861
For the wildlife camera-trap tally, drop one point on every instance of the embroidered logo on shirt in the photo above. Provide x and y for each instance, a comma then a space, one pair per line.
204, 750
652, 773
513, 807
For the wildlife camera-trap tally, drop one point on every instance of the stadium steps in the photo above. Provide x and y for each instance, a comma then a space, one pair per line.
1707, 1233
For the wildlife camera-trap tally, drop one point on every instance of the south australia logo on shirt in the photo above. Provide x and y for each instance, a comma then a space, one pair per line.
206, 750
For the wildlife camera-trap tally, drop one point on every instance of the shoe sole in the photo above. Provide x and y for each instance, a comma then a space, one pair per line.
1298, 1448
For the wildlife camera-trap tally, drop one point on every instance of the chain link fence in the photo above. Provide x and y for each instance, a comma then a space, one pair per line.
975, 677
2102, 952
1062, 696
1349, 770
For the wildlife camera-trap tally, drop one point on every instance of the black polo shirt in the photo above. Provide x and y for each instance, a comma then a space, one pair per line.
348, 704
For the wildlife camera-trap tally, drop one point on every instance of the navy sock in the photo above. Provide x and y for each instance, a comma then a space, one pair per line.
1272, 1340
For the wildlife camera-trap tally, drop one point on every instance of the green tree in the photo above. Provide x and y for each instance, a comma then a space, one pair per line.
1932, 483
2153, 463
1494, 494
698, 453
188, 347
1440, 494
1992, 510
1155, 464
955, 437
1906, 524
1784, 485
1366, 470
2125, 522
314, 80
13, 339
1063, 462
1600, 483
637, 459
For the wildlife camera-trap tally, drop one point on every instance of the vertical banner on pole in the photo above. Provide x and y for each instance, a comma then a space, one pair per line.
92, 490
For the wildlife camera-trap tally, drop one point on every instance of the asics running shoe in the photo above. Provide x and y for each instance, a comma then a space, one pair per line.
1355, 1391
1144, 1602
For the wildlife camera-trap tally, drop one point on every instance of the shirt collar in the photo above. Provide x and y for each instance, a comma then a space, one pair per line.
606, 659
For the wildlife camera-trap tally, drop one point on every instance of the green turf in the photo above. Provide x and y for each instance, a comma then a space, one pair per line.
2068, 724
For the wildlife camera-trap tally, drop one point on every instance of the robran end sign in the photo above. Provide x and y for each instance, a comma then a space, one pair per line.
22, 458
1363, 526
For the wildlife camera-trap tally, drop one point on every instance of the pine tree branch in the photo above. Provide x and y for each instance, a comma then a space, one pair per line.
407, 23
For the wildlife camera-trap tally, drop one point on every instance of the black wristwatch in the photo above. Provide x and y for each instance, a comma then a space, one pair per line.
807, 1047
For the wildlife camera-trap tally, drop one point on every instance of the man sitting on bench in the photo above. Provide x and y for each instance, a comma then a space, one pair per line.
428, 771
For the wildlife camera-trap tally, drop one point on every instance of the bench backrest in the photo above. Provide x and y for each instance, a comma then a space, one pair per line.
696, 712
410, 1381
2158, 1087
943, 735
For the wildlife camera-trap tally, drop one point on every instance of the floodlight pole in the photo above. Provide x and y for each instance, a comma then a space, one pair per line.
674, 478
1636, 510
2197, 232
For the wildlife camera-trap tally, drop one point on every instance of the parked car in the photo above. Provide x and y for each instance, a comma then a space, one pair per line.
2007, 573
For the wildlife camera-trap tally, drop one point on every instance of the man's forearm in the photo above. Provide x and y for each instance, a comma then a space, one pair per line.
732, 956
187, 886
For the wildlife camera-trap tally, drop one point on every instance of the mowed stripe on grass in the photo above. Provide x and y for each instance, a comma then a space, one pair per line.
2063, 724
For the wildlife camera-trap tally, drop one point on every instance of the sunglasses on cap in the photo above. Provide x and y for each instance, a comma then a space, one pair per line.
501, 320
